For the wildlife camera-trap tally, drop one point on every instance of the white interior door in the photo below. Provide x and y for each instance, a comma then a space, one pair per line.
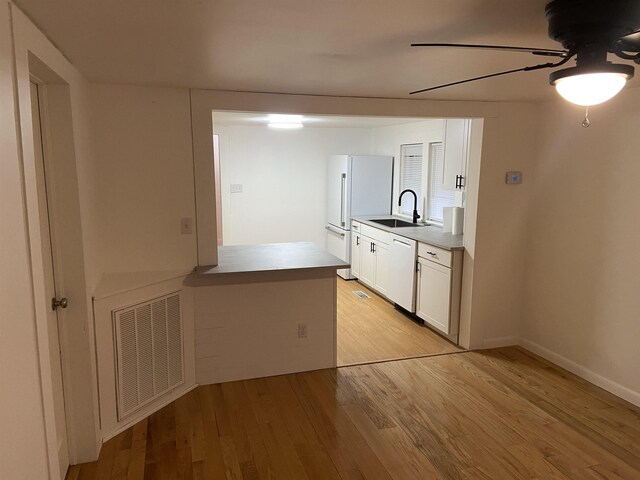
50, 284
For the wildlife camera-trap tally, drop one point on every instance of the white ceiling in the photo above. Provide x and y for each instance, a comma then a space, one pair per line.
322, 47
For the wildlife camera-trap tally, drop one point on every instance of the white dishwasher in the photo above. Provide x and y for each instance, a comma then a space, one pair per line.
402, 272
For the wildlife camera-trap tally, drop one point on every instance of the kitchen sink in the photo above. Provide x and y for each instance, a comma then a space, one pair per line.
395, 223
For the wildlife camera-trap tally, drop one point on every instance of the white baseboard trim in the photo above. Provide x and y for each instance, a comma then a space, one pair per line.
499, 342
583, 372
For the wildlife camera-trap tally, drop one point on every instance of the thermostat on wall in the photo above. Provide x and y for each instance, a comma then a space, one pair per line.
514, 178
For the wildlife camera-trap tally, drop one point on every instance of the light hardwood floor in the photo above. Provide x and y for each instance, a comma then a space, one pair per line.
372, 330
498, 414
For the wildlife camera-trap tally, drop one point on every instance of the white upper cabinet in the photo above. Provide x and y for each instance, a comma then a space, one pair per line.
456, 148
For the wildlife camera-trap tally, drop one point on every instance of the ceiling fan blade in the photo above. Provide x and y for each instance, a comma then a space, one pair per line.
506, 72
629, 43
546, 52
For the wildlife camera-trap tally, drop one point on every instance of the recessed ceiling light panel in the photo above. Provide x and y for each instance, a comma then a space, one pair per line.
288, 122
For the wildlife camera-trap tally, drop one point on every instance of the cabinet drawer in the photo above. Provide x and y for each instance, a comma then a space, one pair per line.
435, 254
376, 234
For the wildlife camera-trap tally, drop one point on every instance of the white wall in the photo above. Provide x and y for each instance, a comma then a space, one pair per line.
142, 139
510, 143
283, 176
583, 261
22, 437
387, 141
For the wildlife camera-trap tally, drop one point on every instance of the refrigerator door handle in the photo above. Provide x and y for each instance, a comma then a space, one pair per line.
328, 228
343, 179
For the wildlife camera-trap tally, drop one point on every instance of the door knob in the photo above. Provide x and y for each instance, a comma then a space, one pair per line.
62, 303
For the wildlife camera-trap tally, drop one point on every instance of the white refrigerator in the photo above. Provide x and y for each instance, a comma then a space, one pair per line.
356, 185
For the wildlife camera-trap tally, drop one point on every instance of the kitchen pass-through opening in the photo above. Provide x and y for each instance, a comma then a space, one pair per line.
305, 178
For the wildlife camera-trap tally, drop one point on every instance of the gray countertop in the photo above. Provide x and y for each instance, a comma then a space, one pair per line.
426, 234
271, 257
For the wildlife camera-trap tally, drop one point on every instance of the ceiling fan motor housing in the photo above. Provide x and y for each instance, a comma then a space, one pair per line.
592, 26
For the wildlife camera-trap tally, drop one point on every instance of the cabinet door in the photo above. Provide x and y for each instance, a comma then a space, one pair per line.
381, 280
356, 246
456, 145
434, 295
367, 262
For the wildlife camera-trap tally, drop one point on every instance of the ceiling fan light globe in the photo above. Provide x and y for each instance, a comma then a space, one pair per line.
590, 88
591, 84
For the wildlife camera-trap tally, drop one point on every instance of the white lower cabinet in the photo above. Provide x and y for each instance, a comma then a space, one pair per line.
434, 294
386, 262
439, 287
367, 262
381, 278
370, 258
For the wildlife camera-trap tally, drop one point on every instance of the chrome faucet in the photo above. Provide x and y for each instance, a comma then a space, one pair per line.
415, 204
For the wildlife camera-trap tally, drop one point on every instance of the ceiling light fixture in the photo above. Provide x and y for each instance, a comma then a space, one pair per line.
592, 84
289, 122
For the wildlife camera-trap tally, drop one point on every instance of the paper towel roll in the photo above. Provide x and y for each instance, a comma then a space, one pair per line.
457, 220
447, 219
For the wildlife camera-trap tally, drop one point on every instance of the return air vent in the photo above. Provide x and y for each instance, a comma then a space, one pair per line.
149, 352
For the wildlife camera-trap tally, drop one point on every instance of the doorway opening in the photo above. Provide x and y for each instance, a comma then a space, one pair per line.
275, 185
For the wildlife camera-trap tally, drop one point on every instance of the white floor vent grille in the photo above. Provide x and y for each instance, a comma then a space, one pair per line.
361, 294
149, 352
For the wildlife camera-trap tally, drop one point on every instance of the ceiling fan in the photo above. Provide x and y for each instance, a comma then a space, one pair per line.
588, 30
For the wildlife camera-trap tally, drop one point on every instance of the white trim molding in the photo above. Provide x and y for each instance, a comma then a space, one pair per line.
583, 372
498, 342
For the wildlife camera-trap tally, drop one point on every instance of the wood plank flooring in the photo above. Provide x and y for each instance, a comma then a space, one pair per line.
372, 330
497, 414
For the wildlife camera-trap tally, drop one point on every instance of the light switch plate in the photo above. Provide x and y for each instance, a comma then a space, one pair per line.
514, 178
236, 188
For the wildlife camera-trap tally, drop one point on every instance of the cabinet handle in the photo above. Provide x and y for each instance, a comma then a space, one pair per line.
432, 254
357, 241
459, 181
395, 240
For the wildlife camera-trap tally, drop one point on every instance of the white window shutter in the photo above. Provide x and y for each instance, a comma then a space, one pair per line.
411, 176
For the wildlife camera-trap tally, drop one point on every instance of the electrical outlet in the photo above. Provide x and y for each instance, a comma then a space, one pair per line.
186, 225
302, 330
236, 188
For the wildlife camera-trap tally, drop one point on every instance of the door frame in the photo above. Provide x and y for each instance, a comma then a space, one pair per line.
35, 56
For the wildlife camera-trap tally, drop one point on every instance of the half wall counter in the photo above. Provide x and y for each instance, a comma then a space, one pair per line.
265, 310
